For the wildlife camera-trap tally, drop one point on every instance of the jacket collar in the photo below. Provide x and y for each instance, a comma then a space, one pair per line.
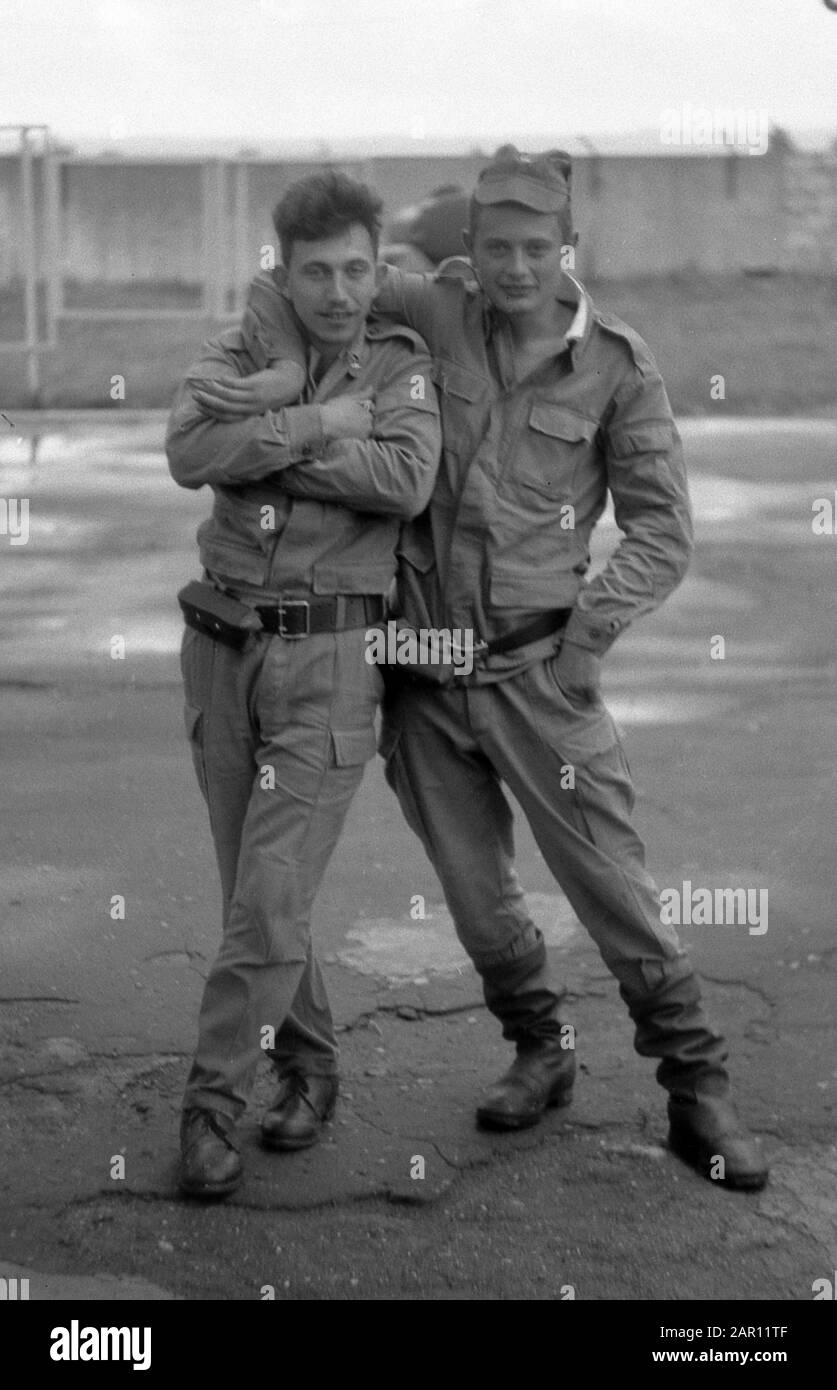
578, 329
352, 357
577, 335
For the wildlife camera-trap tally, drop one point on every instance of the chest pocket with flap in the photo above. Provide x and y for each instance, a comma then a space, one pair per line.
556, 441
463, 403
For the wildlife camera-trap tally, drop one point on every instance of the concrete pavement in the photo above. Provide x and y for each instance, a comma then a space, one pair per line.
733, 760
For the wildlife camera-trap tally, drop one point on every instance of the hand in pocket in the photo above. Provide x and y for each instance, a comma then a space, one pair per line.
577, 671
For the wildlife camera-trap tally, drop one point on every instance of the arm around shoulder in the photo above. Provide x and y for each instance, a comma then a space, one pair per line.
392, 473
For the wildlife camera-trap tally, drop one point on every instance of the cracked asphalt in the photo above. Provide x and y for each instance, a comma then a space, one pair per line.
734, 765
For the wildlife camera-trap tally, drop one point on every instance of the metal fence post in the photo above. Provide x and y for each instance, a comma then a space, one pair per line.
52, 243
30, 264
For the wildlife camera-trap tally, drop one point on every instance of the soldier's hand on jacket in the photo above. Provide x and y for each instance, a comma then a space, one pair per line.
578, 672
348, 417
235, 397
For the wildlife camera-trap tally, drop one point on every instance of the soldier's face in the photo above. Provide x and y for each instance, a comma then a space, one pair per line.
517, 254
331, 284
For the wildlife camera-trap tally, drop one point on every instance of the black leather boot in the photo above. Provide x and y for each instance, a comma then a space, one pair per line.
210, 1161
704, 1130
706, 1133
519, 993
541, 1075
302, 1106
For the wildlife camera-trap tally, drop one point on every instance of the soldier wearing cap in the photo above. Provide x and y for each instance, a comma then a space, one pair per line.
298, 556
547, 405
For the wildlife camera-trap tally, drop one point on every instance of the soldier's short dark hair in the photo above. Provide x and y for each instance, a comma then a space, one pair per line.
324, 205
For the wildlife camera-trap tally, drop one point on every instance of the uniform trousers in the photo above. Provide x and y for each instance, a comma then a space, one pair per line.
280, 734
448, 753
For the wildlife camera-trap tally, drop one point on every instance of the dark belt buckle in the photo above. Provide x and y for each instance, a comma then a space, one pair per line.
282, 608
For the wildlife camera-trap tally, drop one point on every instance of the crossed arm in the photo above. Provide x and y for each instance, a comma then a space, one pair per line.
331, 452
649, 489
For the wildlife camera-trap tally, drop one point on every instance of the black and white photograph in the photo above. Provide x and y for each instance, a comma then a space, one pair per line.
418, 667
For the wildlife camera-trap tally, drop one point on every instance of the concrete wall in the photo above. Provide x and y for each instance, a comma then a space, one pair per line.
652, 215
635, 215
127, 221
810, 208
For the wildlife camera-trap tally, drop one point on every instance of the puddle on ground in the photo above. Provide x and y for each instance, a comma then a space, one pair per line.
403, 951
94, 484
679, 708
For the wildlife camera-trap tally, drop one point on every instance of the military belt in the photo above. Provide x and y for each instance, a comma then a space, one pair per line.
301, 617
542, 626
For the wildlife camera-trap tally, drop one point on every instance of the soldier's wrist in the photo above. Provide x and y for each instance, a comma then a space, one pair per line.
596, 635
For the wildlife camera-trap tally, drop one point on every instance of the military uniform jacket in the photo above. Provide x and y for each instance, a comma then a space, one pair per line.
292, 513
527, 466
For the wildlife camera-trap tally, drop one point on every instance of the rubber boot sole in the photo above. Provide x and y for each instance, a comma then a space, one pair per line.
208, 1192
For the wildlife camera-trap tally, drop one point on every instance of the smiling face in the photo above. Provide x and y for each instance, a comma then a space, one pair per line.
331, 284
517, 254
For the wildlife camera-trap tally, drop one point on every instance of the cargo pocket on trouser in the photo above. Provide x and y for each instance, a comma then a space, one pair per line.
285, 855
193, 719
319, 827
352, 747
349, 752
603, 801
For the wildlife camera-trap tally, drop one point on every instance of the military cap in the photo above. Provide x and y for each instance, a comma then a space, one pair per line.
537, 181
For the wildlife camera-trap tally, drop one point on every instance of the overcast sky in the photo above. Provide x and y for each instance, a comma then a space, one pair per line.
409, 70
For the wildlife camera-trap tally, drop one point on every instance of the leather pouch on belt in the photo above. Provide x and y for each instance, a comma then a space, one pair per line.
217, 615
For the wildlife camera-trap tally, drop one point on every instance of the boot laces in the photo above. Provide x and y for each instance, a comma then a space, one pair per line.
210, 1120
